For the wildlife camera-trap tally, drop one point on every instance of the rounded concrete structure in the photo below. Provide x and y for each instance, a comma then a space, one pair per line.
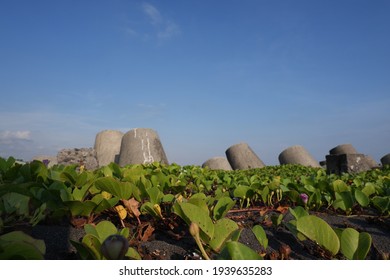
343, 149
371, 162
241, 156
107, 146
217, 163
385, 160
297, 155
141, 146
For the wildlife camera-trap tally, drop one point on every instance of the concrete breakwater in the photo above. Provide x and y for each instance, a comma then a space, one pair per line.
143, 145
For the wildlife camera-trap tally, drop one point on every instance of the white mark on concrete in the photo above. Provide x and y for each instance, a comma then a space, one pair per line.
148, 158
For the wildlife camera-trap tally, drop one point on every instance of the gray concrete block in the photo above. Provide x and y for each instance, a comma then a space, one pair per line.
141, 146
347, 163
241, 156
385, 160
371, 162
343, 149
217, 163
297, 155
107, 146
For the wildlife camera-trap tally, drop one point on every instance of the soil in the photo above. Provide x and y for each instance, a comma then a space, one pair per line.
170, 240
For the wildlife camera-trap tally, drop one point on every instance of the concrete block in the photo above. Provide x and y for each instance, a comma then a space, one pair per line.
297, 155
217, 163
107, 146
141, 146
241, 156
343, 149
347, 163
385, 160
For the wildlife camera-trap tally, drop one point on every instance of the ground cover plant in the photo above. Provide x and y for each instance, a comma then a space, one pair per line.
128, 212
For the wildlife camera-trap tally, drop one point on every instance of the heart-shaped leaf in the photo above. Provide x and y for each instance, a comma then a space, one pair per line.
355, 245
223, 229
319, 231
237, 251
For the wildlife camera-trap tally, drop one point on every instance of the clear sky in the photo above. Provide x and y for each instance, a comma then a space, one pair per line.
204, 74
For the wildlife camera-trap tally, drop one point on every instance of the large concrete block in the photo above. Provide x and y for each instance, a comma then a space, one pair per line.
343, 149
141, 146
347, 163
107, 146
385, 160
241, 156
217, 163
371, 162
297, 155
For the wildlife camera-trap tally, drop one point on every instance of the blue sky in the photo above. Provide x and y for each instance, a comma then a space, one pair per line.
204, 74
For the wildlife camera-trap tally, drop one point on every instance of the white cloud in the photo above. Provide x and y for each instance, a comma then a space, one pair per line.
153, 14
166, 28
7, 135
170, 30
28, 134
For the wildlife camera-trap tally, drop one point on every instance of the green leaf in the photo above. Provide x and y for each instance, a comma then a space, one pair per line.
223, 205
93, 244
276, 219
81, 208
19, 251
107, 171
382, 203
104, 204
168, 198
116, 170
237, 251
38, 215
133, 254
319, 231
155, 195
192, 213
355, 245
148, 208
298, 212
16, 203
264, 194
83, 251
91, 229
80, 193
22, 188
124, 232
260, 235
199, 199
344, 201
241, 191
18, 245
340, 186
362, 198
123, 190
223, 229
104, 229
369, 189
39, 170
69, 176
236, 235
292, 227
